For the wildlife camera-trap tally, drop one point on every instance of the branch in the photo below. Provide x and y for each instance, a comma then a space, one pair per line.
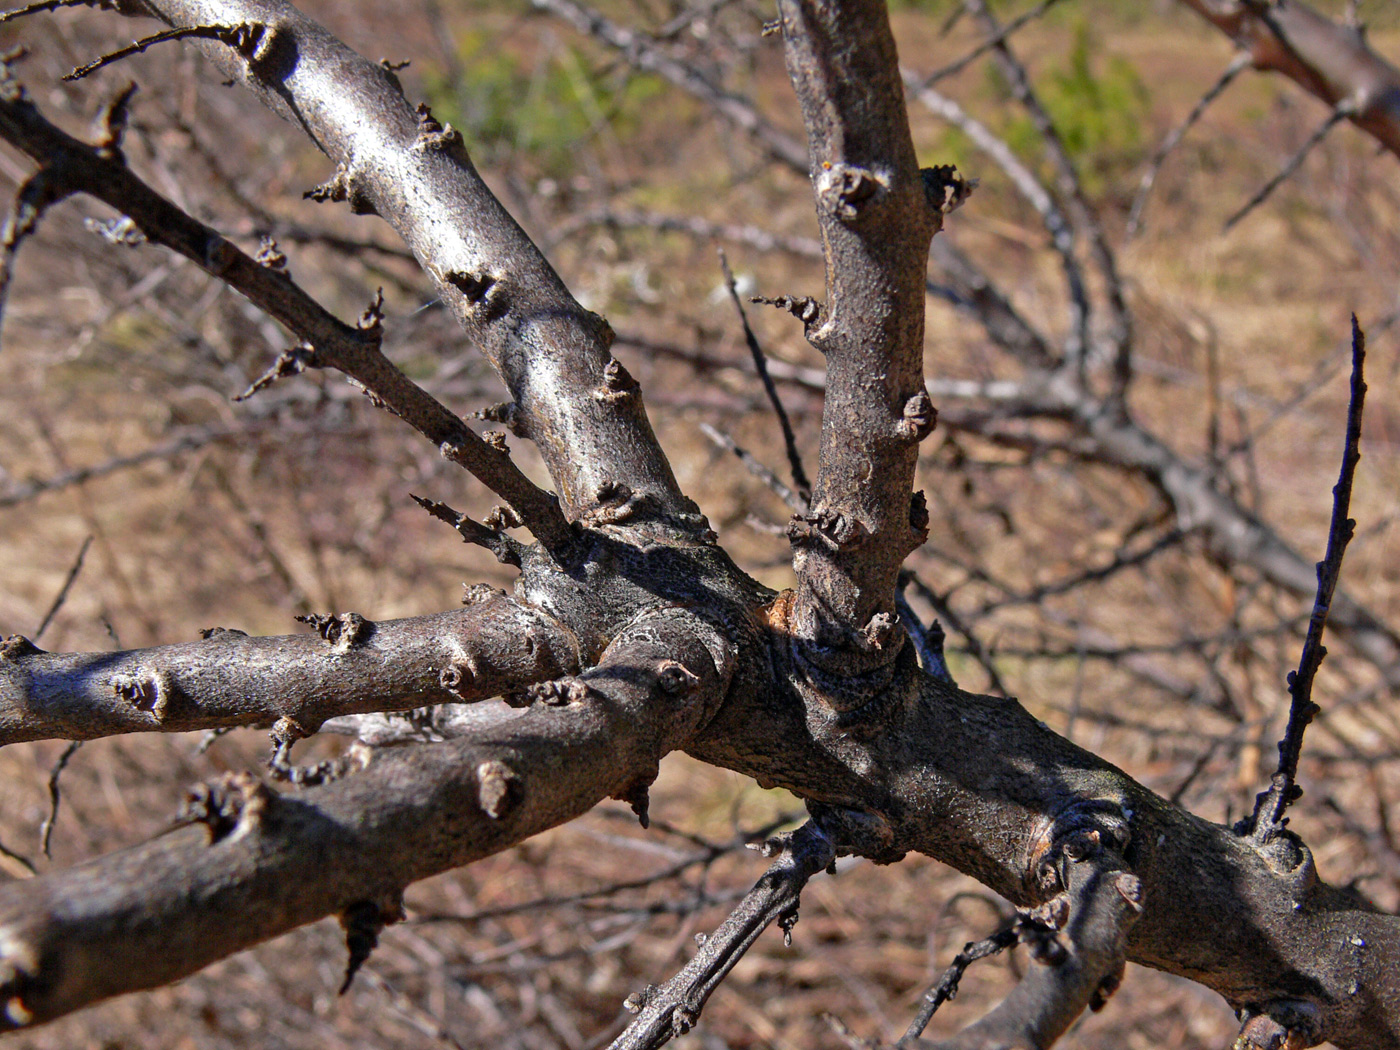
494, 646
101, 171
1330, 61
1267, 821
584, 414
1104, 903
249, 864
673, 1008
1343, 110
877, 213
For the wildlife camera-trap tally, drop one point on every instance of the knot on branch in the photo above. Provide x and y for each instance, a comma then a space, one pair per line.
803, 307
616, 503
343, 631
16, 647
228, 807
271, 256
432, 135
557, 693
497, 440
342, 186
918, 418
503, 517
289, 363
848, 191
617, 382
221, 634
498, 788
1080, 832
363, 922
637, 794
146, 690
1285, 1024
827, 528
459, 676
476, 593
862, 832
508, 414
484, 292
945, 188
121, 232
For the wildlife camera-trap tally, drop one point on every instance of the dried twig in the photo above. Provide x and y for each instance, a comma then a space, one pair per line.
46, 828
673, 1008
1237, 65
760, 364
1344, 109
1267, 820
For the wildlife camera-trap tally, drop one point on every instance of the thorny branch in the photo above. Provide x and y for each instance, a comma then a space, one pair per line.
1267, 821
673, 1008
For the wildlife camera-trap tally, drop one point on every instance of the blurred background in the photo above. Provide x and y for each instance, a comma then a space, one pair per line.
1062, 574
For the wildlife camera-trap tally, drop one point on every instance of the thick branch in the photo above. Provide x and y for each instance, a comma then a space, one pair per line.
263, 864
415, 174
495, 645
877, 213
1330, 61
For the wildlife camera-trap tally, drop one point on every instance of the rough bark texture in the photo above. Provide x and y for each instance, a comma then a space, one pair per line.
647, 638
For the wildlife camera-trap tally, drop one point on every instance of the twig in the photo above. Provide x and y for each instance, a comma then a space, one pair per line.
928, 641
947, 986
355, 351
1237, 65
1344, 109
62, 594
1267, 820
40, 191
39, 7
946, 614
760, 364
797, 502
46, 828
953, 68
136, 47
673, 1008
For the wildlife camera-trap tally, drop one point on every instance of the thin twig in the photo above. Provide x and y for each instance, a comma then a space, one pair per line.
62, 595
673, 1008
953, 68
797, 502
1344, 109
136, 47
39, 7
1237, 65
760, 364
46, 828
1267, 819
947, 986
928, 641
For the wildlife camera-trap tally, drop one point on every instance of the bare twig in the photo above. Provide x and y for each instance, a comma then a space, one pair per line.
62, 595
1237, 65
50, 821
797, 502
352, 350
673, 1008
947, 986
1344, 109
760, 364
995, 38
1267, 820
136, 47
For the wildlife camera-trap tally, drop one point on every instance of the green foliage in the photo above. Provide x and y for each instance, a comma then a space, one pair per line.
1098, 104
540, 108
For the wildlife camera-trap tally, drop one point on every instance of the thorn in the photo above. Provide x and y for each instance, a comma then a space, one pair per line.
289, 363
431, 134
363, 922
